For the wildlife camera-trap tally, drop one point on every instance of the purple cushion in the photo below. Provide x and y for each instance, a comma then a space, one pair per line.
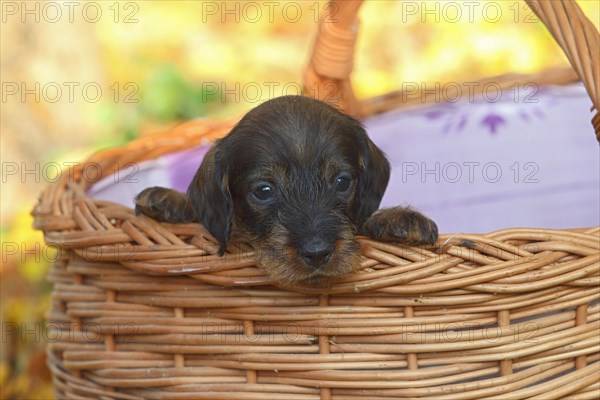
472, 167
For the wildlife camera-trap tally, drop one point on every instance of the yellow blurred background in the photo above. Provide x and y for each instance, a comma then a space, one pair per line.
82, 76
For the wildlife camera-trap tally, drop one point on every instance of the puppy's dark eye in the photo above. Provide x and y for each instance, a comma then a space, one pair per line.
342, 183
263, 194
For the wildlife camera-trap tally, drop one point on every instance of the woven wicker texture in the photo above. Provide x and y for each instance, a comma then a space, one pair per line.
143, 310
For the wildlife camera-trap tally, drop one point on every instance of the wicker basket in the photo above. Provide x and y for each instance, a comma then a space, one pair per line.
143, 310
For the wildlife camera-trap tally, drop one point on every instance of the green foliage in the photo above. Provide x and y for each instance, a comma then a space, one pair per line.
167, 96
163, 98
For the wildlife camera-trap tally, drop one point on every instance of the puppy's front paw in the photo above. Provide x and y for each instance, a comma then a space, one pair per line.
165, 205
400, 224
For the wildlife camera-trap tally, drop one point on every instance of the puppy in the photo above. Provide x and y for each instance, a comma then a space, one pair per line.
298, 179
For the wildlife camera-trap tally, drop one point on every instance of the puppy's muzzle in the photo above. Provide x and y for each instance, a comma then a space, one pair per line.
316, 252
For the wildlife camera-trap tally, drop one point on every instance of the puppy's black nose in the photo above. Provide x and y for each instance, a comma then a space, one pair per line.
316, 251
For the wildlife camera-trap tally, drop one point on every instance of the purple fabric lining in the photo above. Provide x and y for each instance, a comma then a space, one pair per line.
183, 166
472, 167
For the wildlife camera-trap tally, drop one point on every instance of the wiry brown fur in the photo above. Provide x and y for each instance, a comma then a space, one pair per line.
402, 224
304, 232
282, 262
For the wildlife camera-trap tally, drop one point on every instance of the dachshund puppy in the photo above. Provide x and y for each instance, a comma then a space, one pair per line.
298, 179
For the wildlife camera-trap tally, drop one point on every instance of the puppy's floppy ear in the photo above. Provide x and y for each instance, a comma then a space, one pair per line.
210, 197
374, 174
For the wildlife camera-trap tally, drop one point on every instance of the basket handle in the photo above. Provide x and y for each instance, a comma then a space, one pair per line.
327, 76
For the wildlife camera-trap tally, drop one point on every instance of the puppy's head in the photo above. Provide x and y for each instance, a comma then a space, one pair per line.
297, 178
